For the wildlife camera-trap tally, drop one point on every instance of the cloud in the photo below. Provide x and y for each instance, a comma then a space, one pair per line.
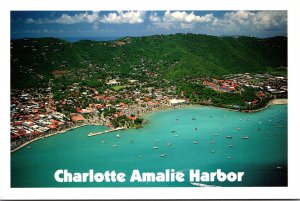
270, 20
94, 18
231, 23
242, 22
120, 17
256, 23
179, 19
86, 17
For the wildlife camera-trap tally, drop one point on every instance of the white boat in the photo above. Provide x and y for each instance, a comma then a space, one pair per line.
118, 136
212, 151
114, 145
163, 155
245, 137
103, 141
230, 145
175, 135
141, 156
238, 128
195, 142
168, 144
279, 167
28, 147
155, 147
228, 157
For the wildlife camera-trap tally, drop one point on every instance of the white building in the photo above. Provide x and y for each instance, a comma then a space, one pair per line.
175, 102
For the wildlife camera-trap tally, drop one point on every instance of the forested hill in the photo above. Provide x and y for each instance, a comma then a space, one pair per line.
172, 56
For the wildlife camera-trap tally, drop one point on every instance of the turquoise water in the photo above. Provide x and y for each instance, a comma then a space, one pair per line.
258, 156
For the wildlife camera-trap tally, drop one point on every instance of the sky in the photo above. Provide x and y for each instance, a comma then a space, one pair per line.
93, 24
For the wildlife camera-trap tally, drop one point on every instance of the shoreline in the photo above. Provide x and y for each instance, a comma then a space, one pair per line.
49, 135
272, 102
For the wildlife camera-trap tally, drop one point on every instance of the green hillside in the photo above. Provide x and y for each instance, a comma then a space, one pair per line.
172, 56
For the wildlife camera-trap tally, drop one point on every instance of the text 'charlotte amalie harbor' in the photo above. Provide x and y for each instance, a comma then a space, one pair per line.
163, 110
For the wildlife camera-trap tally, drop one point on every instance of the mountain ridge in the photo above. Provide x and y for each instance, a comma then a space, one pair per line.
176, 56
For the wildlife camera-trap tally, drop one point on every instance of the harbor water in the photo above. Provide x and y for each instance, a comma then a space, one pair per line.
182, 139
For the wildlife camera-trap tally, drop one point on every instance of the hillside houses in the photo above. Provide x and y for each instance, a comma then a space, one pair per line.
274, 85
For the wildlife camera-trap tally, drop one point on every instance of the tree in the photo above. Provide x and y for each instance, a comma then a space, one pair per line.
138, 121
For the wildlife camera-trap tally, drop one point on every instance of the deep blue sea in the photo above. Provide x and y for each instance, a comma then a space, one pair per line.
188, 138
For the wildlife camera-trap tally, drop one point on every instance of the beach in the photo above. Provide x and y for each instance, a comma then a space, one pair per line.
280, 101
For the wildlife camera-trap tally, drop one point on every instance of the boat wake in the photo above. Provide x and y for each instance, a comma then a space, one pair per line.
202, 185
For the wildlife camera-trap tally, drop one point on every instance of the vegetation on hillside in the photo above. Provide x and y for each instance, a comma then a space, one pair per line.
33, 61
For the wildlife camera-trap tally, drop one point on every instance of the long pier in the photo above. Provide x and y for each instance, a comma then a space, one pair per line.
106, 131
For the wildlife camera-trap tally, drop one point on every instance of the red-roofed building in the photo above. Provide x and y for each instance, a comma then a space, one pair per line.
153, 103
79, 110
209, 84
13, 136
99, 106
122, 104
232, 88
147, 99
99, 97
34, 111
77, 118
36, 133
132, 118
52, 126
36, 117
53, 121
17, 123
261, 94
21, 132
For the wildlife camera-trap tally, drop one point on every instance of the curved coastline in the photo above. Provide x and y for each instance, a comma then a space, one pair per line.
272, 102
52, 134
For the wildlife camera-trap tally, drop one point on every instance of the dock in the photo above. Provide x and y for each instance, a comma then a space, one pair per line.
106, 131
